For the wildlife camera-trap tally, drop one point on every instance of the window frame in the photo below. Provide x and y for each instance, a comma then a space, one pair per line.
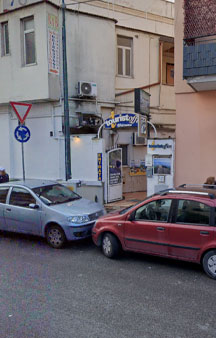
124, 50
24, 32
168, 64
5, 50
124, 148
156, 221
211, 216
8, 189
25, 190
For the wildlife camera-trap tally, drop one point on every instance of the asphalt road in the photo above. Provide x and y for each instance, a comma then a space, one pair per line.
77, 292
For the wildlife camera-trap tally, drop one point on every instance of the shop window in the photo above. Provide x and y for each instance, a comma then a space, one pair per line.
124, 52
5, 39
29, 51
170, 74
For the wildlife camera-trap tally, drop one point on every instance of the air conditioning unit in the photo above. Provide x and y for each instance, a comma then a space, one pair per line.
139, 140
87, 89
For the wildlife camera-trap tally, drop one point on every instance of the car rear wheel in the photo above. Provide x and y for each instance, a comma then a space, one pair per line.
55, 237
110, 245
209, 263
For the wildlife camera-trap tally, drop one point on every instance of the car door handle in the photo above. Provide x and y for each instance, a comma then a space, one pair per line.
7, 209
204, 233
160, 229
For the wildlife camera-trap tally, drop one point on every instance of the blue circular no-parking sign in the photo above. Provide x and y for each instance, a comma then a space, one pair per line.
22, 134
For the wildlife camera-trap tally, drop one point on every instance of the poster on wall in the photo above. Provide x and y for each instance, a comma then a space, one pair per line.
137, 168
115, 167
53, 44
162, 165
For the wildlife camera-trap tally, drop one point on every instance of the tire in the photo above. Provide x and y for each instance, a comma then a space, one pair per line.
209, 263
55, 237
110, 245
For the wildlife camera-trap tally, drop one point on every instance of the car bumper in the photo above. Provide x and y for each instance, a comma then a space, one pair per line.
95, 236
74, 233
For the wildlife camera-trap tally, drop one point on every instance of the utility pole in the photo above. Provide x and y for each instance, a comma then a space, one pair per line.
66, 105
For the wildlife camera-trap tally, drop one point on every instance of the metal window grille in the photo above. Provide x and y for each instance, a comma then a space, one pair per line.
199, 18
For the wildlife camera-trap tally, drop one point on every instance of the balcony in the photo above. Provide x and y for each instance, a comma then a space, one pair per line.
199, 63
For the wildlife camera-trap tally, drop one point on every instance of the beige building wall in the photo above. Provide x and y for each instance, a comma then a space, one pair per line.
195, 121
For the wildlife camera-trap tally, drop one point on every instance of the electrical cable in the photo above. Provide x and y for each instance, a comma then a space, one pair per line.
83, 2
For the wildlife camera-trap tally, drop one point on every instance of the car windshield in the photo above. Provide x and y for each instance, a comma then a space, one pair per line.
55, 194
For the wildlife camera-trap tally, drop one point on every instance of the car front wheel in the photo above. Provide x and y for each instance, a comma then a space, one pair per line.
110, 245
55, 237
209, 263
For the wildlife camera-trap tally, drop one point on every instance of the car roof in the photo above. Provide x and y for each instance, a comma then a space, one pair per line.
30, 183
206, 191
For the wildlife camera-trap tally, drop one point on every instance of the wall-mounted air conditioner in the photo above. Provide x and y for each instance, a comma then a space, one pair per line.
139, 140
88, 89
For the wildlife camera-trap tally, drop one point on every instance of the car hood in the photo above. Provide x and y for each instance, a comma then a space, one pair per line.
79, 207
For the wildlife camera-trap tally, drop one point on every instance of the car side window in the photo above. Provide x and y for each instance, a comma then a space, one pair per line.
3, 194
193, 212
154, 211
21, 197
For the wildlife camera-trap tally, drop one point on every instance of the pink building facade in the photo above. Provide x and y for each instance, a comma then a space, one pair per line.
195, 86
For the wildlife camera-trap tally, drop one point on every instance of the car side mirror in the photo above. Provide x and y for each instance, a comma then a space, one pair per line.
33, 206
132, 216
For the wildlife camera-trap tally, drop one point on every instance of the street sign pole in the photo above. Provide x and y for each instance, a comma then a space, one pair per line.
22, 134
23, 161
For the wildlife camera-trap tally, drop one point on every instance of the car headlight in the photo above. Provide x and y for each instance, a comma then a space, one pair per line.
78, 219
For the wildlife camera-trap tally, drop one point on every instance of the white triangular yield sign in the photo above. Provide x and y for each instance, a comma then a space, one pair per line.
21, 110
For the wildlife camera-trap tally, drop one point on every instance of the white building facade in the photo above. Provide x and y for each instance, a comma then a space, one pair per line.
115, 48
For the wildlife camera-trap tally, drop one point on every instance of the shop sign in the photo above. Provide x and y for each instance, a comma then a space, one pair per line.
142, 101
53, 44
121, 121
99, 166
142, 125
164, 146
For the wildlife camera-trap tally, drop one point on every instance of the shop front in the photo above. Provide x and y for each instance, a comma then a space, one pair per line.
159, 163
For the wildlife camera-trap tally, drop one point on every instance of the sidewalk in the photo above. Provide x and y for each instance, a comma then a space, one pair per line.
130, 198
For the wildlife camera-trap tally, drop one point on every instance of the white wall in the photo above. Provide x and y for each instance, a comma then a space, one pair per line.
84, 158
91, 53
21, 83
44, 154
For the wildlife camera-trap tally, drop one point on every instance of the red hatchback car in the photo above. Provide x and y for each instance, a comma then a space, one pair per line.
178, 223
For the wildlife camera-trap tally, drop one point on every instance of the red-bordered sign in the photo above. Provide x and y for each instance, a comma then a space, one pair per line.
21, 110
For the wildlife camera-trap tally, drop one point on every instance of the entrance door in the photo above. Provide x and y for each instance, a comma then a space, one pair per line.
114, 174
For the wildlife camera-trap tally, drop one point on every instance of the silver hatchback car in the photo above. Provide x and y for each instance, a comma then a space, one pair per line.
47, 209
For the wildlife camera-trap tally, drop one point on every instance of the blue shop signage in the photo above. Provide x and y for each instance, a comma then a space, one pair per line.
99, 166
121, 121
